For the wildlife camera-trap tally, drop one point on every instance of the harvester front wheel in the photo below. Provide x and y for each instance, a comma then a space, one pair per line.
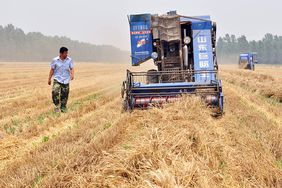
126, 105
123, 89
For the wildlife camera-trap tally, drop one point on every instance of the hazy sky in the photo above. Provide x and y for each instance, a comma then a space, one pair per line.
105, 21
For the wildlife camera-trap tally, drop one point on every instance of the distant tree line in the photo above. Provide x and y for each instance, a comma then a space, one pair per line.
15, 45
269, 49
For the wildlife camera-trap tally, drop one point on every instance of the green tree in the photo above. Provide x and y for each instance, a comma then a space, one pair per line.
18, 46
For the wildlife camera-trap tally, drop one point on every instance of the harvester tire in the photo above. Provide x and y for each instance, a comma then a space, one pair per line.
123, 89
126, 106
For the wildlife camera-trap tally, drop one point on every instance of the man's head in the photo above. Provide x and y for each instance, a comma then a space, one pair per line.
63, 52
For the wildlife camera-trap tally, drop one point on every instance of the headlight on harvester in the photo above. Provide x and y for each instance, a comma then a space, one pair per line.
154, 55
187, 40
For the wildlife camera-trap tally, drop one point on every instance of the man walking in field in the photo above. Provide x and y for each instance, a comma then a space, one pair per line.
62, 70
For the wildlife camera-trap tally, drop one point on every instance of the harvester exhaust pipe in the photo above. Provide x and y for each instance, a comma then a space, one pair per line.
185, 51
185, 54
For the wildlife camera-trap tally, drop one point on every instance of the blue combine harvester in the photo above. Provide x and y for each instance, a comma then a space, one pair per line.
184, 52
248, 60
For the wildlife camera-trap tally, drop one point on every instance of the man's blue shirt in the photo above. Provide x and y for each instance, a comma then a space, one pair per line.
62, 69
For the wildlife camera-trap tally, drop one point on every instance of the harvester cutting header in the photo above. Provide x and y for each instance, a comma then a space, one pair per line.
184, 51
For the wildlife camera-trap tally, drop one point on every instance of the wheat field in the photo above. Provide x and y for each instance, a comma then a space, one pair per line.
95, 144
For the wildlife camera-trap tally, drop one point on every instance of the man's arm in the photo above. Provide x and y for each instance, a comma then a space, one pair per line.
72, 73
51, 73
71, 70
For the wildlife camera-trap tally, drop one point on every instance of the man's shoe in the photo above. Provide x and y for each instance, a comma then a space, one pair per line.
57, 110
64, 110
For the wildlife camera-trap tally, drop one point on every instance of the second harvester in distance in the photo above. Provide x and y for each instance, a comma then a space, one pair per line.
248, 60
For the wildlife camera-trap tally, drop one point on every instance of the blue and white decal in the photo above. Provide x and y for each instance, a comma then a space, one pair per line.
141, 38
203, 55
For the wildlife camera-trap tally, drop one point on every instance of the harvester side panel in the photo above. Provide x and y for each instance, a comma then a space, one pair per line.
202, 47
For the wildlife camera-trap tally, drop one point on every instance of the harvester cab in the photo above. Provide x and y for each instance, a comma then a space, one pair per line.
248, 60
183, 49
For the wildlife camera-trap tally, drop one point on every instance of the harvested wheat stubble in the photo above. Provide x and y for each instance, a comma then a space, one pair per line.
179, 145
176, 147
263, 83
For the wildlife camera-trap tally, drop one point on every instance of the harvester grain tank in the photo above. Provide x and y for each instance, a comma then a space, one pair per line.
248, 60
183, 49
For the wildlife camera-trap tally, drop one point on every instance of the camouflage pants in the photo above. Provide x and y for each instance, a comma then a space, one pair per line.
60, 94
